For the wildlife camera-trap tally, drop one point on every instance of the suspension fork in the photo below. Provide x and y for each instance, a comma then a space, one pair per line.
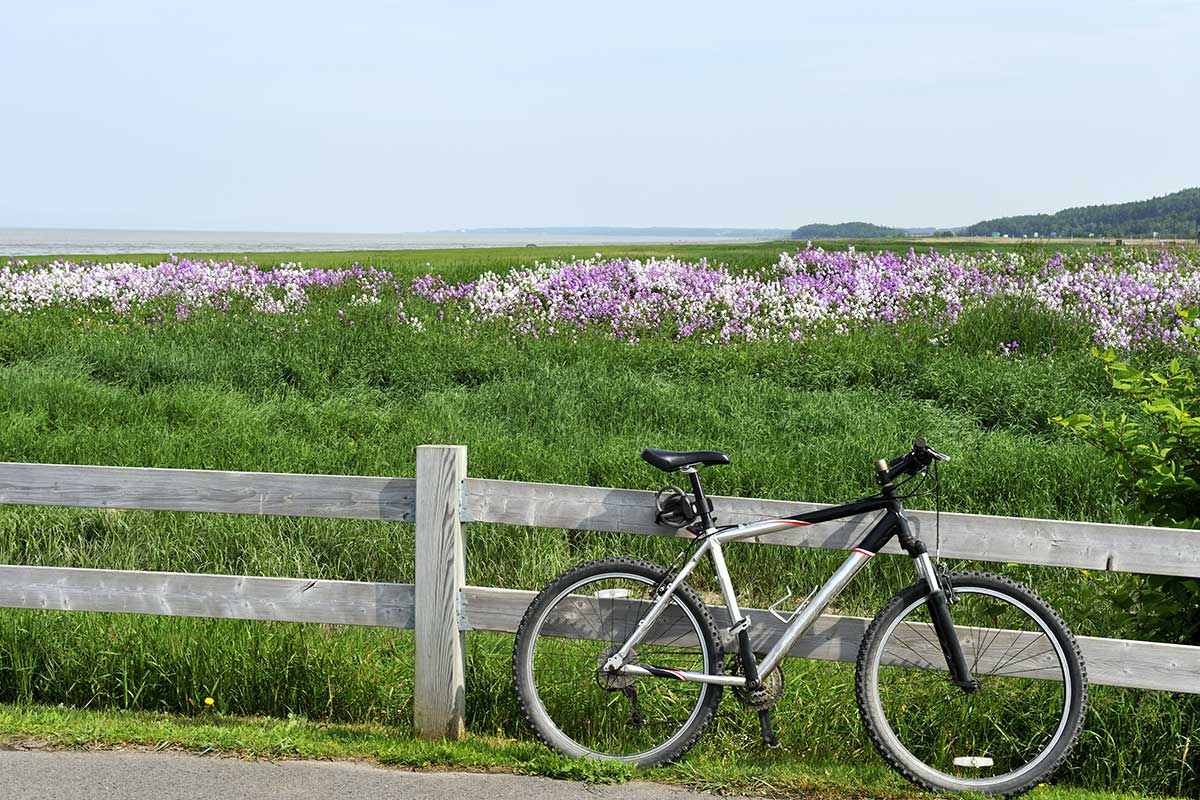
939, 606
939, 612
960, 674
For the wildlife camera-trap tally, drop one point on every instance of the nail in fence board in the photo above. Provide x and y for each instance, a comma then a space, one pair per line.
1090, 545
270, 493
439, 700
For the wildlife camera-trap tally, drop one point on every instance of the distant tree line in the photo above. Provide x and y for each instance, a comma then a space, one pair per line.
1172, 216
847, 230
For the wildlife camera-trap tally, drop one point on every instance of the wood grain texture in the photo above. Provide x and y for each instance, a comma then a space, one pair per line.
1089, 545
439, 699
269, 493
179, 594
439, 606
1112, 662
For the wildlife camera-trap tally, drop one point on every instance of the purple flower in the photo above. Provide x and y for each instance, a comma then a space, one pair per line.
1127, 298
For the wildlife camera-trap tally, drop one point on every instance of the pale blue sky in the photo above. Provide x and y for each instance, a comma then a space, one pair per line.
392, 117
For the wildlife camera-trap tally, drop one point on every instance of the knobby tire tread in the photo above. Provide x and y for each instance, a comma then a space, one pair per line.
916, 590
650, 570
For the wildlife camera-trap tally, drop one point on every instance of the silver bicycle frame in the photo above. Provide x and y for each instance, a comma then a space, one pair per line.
712, 545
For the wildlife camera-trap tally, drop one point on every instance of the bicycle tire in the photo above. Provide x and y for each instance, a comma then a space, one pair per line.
1015, 743
582, 717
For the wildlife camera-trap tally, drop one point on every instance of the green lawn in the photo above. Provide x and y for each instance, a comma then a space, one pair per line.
313, 394
752, 772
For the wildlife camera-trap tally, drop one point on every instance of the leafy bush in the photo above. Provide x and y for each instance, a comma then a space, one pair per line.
1160, 462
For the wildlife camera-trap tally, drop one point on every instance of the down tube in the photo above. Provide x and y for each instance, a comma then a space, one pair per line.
832, 588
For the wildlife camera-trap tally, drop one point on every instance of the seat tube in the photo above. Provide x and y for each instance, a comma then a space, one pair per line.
736, 620
731, 602
701, 499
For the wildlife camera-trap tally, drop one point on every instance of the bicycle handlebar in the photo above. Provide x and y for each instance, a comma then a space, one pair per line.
912, 462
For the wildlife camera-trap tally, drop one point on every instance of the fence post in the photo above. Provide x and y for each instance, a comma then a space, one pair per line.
439, 692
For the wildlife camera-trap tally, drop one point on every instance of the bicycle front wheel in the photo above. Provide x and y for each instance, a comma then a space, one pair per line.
1003, 738
570, 631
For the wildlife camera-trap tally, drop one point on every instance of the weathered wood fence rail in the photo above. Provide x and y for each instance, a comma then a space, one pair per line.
441, 607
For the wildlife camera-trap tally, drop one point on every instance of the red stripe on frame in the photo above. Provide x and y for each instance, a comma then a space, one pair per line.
866, 553
792, 522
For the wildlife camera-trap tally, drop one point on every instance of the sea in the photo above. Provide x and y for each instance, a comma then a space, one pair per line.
16, 242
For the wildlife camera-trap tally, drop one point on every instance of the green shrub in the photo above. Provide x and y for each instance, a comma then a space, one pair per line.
1159, 461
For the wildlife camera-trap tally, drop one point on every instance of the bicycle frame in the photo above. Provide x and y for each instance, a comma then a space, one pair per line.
892, 523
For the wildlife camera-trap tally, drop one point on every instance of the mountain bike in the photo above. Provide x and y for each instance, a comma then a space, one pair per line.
965, 681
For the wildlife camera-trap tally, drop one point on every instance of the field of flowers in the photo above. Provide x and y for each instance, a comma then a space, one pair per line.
806, 366
179, 288
1127, 299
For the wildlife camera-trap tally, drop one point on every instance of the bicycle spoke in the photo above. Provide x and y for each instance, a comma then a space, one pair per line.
609, 714
979, 736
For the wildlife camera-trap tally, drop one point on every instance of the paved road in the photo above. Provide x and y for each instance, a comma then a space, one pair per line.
140, 775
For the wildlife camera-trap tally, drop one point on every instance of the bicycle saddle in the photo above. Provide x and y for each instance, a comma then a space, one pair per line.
671, 460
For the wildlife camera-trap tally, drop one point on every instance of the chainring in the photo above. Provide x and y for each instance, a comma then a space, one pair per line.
765, 696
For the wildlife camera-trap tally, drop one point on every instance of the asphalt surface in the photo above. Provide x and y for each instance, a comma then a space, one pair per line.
141, 775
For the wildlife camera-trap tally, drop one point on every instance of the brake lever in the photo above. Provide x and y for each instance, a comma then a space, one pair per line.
920, 445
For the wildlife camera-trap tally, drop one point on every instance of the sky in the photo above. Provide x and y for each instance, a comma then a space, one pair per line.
388, 117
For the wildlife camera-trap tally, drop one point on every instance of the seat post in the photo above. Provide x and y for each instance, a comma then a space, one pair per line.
701, 499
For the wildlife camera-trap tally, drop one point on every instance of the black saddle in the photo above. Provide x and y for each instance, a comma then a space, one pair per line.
672, 460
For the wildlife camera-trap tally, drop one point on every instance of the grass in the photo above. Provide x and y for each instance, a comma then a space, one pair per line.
466, 262
312, 394
752, 772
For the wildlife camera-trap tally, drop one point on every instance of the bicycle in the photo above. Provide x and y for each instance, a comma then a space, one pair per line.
965, 681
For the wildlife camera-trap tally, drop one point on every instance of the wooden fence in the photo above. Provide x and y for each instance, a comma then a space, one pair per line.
442, 608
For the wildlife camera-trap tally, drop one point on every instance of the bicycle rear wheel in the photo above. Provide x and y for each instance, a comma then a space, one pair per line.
575, 625
1002, 739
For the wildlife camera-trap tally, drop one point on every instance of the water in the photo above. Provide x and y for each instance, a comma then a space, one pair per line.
71, 241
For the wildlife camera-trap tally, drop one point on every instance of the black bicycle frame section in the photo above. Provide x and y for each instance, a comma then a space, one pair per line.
710, 541
893, 523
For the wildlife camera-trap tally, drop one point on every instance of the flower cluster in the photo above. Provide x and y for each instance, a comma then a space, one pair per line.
181, 286
1128, 298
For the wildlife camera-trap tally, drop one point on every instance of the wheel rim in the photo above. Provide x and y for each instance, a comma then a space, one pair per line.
592, 714
1004, 732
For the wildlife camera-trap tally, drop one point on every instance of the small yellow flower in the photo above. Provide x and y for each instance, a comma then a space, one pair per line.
208, 701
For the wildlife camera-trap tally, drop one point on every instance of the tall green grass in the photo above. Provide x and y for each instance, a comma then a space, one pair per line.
314, 394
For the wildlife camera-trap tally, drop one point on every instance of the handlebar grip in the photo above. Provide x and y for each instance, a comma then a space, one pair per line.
920, 457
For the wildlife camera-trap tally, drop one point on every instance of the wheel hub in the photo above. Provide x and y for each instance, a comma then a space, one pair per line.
613, 681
